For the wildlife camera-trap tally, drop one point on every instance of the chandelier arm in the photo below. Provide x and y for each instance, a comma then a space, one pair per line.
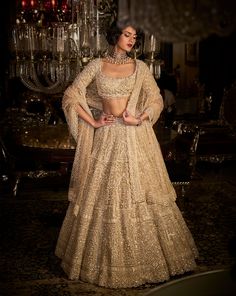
51, 85
39, 87
49, 54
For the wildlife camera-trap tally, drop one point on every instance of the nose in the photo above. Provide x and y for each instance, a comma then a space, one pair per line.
132, 39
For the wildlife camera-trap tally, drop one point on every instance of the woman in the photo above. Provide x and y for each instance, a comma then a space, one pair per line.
122, 227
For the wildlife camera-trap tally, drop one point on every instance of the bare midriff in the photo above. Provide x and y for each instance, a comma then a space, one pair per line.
115, 106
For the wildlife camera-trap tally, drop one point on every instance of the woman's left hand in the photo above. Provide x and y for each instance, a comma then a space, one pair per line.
130, 119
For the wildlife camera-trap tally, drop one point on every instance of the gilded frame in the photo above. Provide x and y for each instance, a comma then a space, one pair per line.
192, 53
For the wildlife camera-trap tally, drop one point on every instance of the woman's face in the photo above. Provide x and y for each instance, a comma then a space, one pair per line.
127, 39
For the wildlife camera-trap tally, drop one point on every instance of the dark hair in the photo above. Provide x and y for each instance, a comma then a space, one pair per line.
114, 31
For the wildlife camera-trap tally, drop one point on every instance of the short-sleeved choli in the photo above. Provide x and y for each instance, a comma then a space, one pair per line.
114, 87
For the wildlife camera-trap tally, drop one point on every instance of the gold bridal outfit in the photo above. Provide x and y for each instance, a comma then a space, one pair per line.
122, 227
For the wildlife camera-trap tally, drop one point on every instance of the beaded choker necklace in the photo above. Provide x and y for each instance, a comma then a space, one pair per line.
117, 58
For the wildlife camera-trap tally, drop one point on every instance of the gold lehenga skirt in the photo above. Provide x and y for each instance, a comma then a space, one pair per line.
129, 230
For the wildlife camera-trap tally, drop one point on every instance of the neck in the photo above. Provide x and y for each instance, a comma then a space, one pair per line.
116, 57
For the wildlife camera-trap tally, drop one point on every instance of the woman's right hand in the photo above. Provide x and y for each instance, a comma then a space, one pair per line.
104, 119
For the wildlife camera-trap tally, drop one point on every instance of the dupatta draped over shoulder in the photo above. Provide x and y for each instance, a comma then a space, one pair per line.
83, 91
122, 227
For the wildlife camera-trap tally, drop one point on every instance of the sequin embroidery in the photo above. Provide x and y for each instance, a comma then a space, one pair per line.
113, 87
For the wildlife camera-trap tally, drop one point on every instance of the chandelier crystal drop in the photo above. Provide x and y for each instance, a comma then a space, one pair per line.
53, 40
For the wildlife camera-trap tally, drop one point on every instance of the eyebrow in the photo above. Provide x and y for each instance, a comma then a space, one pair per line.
130, 33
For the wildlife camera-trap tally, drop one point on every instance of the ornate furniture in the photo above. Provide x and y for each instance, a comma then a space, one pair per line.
180, 158
33, 162
217, 138
217, 141
32, 148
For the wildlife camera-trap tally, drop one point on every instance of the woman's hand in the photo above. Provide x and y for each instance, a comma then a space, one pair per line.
105, 119
130, 119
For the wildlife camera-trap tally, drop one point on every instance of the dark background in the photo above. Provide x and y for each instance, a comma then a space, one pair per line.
217, 61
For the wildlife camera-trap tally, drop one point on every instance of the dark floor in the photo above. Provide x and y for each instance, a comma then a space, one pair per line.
30, 224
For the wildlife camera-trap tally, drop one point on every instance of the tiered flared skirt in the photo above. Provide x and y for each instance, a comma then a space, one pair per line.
128, 230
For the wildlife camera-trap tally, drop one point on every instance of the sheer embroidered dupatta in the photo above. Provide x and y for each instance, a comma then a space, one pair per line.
145, 97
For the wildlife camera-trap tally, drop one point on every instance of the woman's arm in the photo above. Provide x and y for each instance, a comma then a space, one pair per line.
129, 119
75, 94
74, 102
101, 121
153, 101
150, 103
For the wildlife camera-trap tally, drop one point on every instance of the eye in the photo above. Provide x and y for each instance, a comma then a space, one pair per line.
126, 34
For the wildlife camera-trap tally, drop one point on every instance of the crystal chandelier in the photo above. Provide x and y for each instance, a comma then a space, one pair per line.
53, 39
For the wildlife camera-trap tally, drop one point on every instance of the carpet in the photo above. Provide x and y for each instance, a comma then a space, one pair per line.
30, 224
